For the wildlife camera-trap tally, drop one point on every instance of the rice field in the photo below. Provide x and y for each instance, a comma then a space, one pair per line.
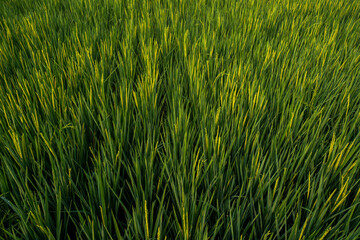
179, 119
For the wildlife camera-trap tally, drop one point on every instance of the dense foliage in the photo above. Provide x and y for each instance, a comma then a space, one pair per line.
179, 119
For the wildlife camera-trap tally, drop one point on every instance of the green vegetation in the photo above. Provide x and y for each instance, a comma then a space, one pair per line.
179, 119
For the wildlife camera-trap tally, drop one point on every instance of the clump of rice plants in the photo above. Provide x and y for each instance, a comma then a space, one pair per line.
179, 119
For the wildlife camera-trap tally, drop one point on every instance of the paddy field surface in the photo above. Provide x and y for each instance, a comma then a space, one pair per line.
179, 119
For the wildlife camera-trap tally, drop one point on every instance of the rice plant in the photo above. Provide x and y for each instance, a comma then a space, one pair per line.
179, 119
